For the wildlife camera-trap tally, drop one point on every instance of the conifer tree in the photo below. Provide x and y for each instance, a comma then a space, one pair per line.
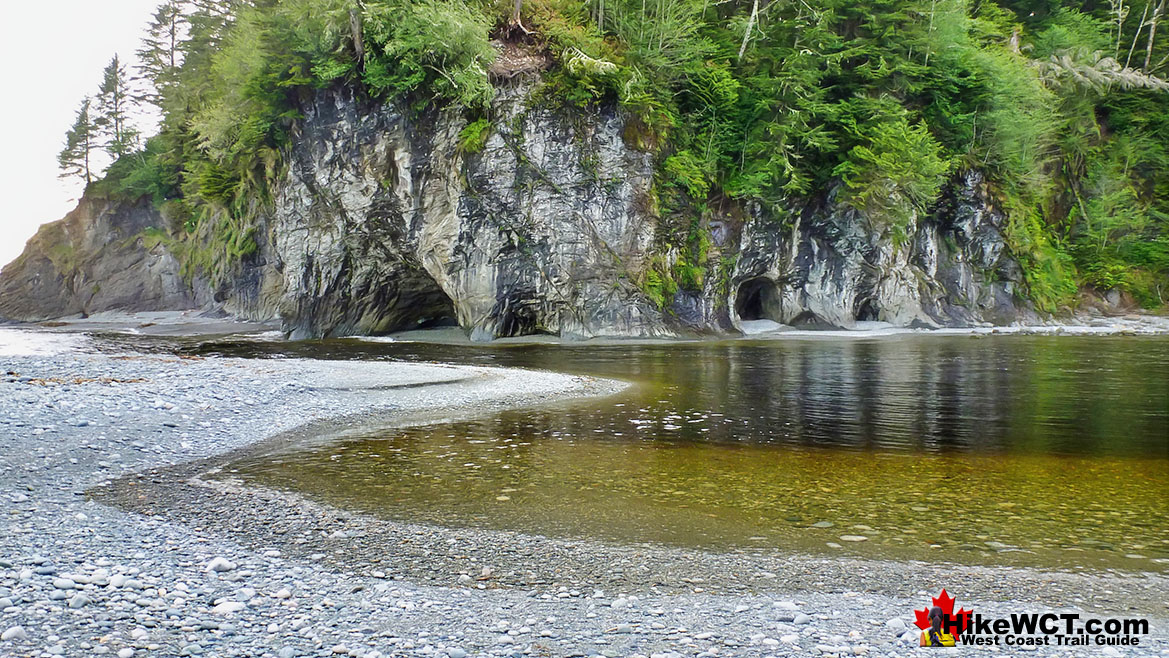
74, 159
113, 106
160, 55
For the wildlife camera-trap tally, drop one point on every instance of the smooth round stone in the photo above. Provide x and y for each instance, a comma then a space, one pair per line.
126, 653
853, 538
79, 601
228, 607
896, 626
15, 634
802, 619
221, 565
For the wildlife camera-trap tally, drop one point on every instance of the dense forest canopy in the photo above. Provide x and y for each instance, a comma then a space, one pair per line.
1062, 105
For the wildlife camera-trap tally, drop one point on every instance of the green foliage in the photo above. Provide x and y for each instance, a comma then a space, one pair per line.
442, 46
691, 264
214, 244
318, 32
685, 170
473, 137
1047, 267
159, 57
659, 285
145, 173
249, 110
1067, 29
896, 174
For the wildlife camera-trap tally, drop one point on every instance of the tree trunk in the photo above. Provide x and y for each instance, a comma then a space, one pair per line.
929, 47
750, 26
1137, 35
358, 35
1121, 13
515, 28
1157, 14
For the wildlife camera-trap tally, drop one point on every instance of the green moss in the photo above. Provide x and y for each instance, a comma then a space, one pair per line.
152, 237
473, 137
726, 267
64, 256
658, 283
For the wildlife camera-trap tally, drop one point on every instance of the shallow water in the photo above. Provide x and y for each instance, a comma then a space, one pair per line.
1049, 451
16, 341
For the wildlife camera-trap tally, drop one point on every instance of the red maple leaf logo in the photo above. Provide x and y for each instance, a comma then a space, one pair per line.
946, 603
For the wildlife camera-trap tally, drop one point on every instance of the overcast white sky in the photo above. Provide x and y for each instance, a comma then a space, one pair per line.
53, 55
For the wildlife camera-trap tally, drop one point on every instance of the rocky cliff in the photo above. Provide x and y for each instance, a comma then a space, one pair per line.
387, 221
103, 256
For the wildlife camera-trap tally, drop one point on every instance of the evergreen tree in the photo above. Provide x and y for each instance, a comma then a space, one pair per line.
160, 54
74, 159
113, 106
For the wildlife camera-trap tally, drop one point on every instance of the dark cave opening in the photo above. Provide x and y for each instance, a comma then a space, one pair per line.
758, 299
433, 308
867, 312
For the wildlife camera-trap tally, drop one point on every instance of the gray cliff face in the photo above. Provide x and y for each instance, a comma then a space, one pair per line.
98, 258
828, 266
385, 222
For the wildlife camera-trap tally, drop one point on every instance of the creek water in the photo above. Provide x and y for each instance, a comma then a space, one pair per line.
1028, 450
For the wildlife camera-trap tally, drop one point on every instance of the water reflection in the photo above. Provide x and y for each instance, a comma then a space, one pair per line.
1030, 450
1011, 394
